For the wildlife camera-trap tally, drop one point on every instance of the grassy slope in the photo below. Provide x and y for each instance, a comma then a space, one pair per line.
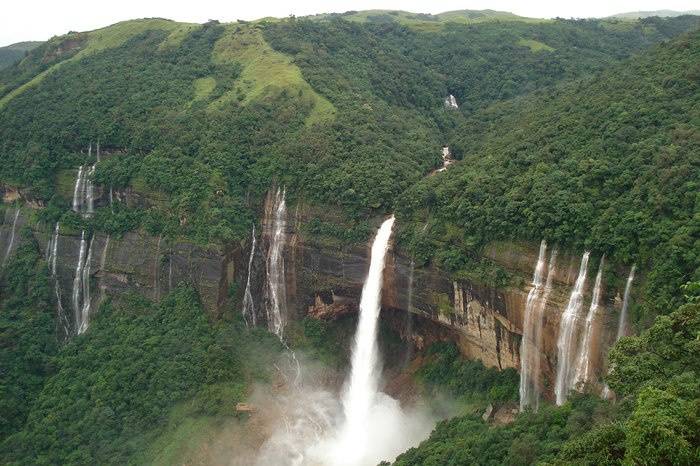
266, 73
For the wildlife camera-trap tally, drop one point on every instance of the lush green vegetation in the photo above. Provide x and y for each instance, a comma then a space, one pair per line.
28, 340
104, 396
11, 54
608, 163
446, 369
656, 419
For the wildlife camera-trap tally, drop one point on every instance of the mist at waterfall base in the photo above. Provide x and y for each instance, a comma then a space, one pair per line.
364, 426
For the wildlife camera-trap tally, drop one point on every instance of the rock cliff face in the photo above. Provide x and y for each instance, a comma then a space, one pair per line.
326, 282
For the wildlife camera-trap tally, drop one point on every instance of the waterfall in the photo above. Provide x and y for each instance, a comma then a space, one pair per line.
539, 318
528, 347
78, 190
451, 102
567, 328
622, 325
248, 306
408, 326
584, 361
81, 285
90, 192
85, 282
362, 386
276, 284
103, 261
12, 237
52, 254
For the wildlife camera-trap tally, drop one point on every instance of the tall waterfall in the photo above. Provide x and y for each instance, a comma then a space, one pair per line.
584, 363
566, 344
528, 346
276, 283
81, 285
362, 385
52, 260
248, 306
622, 325
12, 237
539, 316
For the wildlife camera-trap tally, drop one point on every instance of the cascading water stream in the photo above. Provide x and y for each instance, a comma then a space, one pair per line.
52, 252
584, 363
622, 324
77, 282
362, 384
12, 237
539, 316
567, 334
248, 306
276, 284
85, 283
528, 346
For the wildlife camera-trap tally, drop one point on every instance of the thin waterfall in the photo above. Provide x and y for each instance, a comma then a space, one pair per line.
408, 324
622, 325
276, 284
12, 237
85, 282
90, 192
248, 306
362, 388
103, 262
77, 282
78, 191
539, 316
528, 349
567, 334
52, 260
584, 363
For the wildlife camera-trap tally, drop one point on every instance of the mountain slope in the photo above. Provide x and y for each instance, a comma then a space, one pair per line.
11, 54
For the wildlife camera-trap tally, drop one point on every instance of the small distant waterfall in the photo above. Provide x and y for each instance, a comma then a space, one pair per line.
248, 306
81, 285
539, 318
84, 191
103, 261
622, 325
12, 237
451, 102
528, 346
362, 387
276, 283
584, 361
567, 334
408, 325
52, 259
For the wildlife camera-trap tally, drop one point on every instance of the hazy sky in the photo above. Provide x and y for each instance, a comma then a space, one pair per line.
40, 19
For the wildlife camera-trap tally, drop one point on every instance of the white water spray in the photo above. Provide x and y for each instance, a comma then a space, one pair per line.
584, 363
12, 237
528, 346
85, 282
451, 102
622, 325
248, 306
567, 334
276, 283
81, 285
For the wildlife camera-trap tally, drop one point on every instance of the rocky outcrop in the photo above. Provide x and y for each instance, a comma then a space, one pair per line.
325, 281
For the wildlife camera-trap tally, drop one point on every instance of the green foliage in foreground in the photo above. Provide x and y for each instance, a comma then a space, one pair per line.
656, 419
445, 368
27, 334
115, 385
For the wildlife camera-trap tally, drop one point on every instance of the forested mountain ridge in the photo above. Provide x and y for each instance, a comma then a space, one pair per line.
583, 133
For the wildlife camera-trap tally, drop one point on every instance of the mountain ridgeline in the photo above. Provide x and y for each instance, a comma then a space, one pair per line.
185, 204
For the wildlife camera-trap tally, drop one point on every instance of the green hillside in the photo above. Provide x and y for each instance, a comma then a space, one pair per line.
11, 54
